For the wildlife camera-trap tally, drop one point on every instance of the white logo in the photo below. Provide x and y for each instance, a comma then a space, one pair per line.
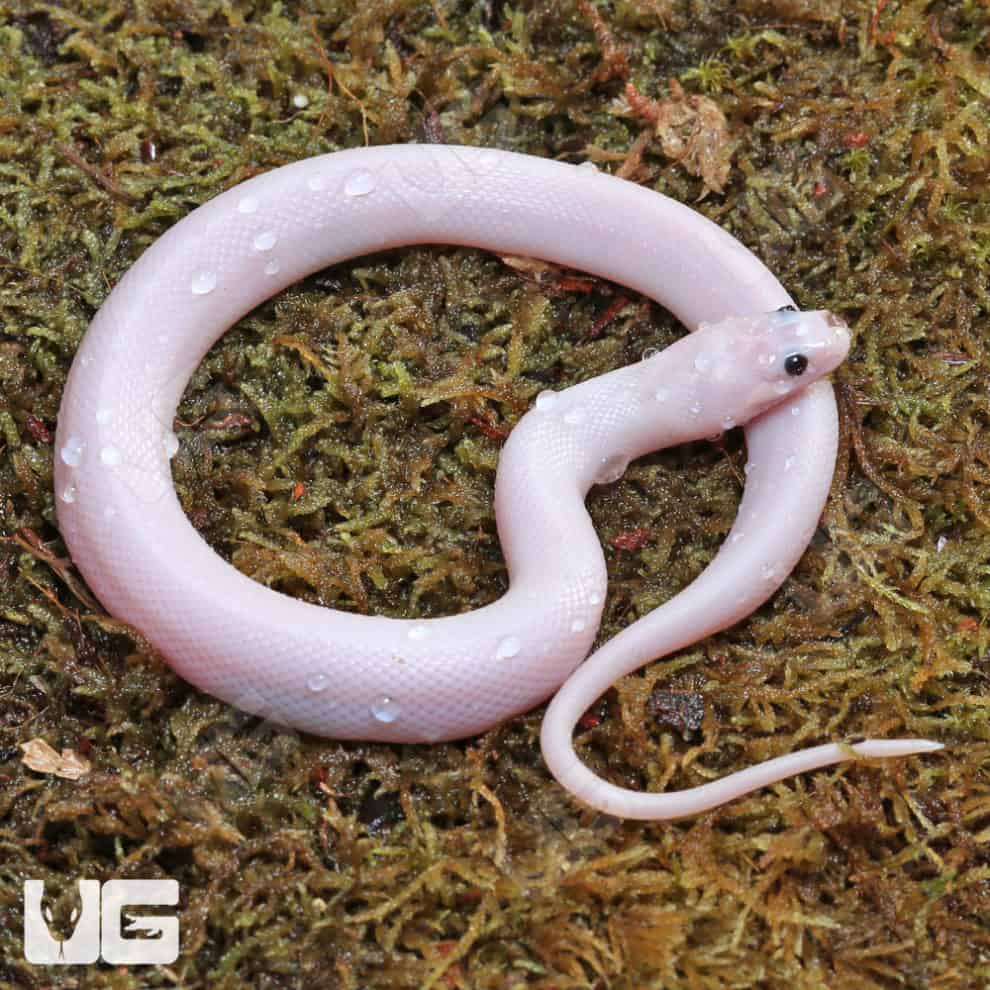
160, 944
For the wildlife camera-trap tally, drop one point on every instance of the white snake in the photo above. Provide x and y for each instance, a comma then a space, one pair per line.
351, 676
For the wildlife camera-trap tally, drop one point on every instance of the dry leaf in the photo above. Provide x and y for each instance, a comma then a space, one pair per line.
692, 130
38, 755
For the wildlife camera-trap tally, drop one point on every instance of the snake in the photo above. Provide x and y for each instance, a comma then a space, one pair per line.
751, 359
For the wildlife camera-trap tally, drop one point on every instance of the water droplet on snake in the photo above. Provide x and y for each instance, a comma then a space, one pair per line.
611, 469
507, 648
266, 240
317, 683
171, 444
69, 493
386, 710
273, 267
546, 400
359, 183
72, 452
578, 625
203, 283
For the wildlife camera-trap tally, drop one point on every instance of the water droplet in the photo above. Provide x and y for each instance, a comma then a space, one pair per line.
109, 512
359, 183
573, 416
266, 240
103, 416
650, 353
695, 408
795, 410
317, 683
749, 466
589, 167
940, 544
248, 204
419, 633
316, 182
300, 101
769, 571
578, 625
728, 422
736, 537
546, 400
703, 364
171, 444
273, 267
766, 359
789, 463
594, 597
110, 456
72, 452
386, 710
611, 469
69, 493
203, 283
662, 394
507, 648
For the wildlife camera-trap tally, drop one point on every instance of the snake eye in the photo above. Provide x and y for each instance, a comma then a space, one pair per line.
795, 364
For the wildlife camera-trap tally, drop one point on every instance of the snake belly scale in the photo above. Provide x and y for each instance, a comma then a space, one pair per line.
350, 676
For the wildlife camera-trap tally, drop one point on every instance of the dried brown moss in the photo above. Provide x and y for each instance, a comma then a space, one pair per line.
340, 444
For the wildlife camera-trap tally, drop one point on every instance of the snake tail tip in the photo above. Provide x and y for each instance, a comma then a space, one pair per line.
897, 747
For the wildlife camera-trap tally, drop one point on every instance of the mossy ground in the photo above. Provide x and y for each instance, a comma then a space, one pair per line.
340, 444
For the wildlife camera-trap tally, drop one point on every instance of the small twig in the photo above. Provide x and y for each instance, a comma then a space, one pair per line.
614, 59
97, 175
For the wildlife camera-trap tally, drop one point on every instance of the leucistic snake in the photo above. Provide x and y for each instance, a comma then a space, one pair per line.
350, 676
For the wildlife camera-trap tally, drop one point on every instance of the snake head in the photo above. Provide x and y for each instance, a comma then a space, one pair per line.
758, 361
800, 348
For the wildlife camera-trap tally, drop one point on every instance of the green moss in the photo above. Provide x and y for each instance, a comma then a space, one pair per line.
340, 444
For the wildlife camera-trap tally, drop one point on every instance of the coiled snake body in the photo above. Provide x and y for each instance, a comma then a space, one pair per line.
362, 677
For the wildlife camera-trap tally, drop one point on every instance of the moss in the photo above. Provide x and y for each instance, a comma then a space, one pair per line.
340, 444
